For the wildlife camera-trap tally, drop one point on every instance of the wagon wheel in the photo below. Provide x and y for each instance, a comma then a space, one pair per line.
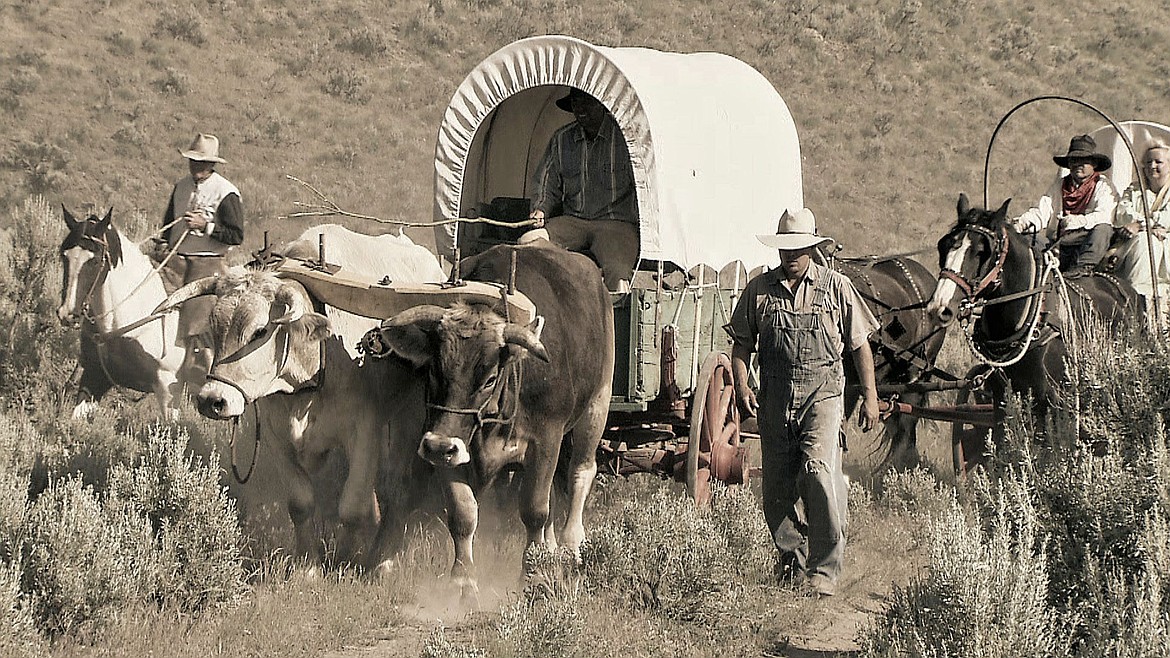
969, 443
713, 449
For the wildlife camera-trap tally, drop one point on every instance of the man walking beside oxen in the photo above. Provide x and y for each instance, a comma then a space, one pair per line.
800, 317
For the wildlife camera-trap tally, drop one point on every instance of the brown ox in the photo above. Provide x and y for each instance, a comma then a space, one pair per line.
312, 396
503, 395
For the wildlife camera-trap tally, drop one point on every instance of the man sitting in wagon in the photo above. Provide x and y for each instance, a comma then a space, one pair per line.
585, 190
1077, 210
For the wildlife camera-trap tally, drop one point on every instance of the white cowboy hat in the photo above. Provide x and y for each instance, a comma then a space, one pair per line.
204, 148
796, 231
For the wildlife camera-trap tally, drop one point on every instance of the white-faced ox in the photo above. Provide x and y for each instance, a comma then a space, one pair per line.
273, 350
110, 288
502, 396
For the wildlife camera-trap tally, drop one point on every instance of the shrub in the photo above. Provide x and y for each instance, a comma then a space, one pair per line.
662, 554
182, 24
34, 348
18, 630
198, 541
42, 162
367, 41
84, 562
348, 84
173, 82
985, 594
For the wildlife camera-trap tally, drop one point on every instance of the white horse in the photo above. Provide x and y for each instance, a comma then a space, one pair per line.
110, 288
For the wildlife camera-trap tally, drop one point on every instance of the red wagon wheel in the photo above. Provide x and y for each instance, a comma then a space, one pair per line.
714, 449
969, 443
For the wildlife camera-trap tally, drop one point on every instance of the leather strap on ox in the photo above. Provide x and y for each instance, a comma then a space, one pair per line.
507, 385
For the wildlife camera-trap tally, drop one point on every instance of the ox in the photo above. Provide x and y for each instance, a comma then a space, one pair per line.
502, 395
312, 395
109, 288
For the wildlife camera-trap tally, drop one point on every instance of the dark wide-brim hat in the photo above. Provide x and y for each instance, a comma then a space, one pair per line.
566, 102
1084, 146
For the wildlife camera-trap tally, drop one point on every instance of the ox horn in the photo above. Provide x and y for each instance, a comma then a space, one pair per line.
292, 301
526, 338
424, 315
197, 288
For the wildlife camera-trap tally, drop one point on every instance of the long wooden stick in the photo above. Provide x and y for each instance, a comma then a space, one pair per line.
328, 208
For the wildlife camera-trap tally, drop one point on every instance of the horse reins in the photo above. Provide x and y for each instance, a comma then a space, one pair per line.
1023, 337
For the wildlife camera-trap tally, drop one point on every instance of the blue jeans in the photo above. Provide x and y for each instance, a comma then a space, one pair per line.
1084, 247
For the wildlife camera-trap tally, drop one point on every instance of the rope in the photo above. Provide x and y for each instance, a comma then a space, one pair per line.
1030, 332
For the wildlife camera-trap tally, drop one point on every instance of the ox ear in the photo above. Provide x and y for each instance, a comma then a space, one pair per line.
409, 342
70, 221
316, 326
290, 304
409, 334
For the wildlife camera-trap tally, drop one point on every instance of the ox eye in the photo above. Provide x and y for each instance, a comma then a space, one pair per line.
488, 383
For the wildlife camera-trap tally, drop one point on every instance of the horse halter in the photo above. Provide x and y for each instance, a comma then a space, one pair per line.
98, 278
998, 241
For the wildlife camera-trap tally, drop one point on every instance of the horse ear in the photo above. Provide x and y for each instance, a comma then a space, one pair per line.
964, 204
104, 225
1003, 210
70, 221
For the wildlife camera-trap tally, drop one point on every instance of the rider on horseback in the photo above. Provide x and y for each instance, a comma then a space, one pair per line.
1076, 213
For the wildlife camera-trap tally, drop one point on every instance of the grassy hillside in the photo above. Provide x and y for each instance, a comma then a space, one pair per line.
895, 100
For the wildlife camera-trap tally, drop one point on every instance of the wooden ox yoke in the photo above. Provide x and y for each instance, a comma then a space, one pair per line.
373, 297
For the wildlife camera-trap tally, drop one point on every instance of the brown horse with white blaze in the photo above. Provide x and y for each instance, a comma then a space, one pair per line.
1021, 314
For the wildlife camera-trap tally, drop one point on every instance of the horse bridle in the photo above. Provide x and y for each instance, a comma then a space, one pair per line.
998, 241
103, 272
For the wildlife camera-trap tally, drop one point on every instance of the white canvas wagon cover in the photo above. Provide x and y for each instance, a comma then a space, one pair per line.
713, 146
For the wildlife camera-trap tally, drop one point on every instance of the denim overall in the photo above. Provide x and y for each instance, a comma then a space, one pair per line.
801, 409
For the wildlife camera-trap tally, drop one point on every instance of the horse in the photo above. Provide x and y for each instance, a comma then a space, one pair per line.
904, 348
1021, 314
110, 288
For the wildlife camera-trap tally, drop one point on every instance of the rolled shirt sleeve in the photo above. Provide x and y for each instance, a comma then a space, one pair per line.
744, 326
857, 322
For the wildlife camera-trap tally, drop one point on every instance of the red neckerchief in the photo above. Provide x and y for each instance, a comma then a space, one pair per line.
1075, 197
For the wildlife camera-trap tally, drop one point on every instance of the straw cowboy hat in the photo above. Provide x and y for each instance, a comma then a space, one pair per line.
204, 148
1084, 146
796, 231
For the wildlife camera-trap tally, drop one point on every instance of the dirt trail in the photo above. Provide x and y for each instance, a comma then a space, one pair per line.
836, 638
